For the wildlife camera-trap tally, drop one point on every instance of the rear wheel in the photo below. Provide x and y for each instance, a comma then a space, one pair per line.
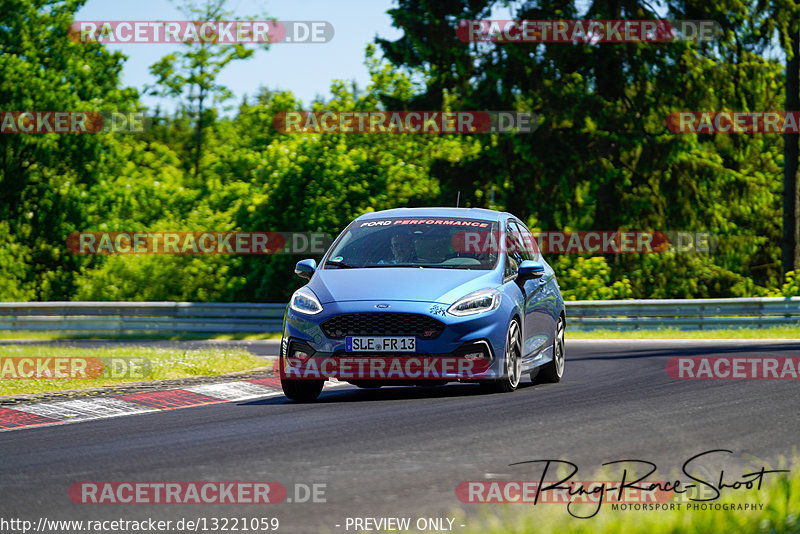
554, 370
513, 362
302, 390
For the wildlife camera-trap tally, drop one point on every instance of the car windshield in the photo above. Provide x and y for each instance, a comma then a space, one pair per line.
436, 242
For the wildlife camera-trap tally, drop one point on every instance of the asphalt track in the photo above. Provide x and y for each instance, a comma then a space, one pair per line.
401, 452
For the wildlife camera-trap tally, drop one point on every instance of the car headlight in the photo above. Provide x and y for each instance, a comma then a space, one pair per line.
305, 301
476, 302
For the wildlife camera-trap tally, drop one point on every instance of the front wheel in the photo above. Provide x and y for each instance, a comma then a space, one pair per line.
513, 362
554, 370
302, 390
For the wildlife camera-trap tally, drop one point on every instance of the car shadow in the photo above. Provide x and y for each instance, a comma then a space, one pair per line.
390, 393
755, 349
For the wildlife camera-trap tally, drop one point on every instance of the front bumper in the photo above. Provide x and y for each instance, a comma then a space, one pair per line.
306, 351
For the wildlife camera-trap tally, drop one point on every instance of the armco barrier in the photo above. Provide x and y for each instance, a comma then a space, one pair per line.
194, 317
140, 317
688, 314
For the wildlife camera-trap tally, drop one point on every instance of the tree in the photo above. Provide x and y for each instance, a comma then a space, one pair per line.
320, 182
783, 17
192, 74
45, 178
602, 157
791, 152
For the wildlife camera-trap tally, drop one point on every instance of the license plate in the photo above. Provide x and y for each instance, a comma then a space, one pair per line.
381, 344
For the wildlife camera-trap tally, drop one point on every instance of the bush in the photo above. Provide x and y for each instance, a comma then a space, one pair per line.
791, 288
590, 279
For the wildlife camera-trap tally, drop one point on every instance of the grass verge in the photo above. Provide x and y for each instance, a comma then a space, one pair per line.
45, 336
776, 332
159, 364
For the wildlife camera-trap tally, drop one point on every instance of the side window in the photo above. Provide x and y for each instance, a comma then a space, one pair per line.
515, 243
512, 250
529, 242
512, 267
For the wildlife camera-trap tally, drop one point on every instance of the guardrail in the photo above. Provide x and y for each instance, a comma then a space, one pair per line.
124, 318
141, 317
688, 314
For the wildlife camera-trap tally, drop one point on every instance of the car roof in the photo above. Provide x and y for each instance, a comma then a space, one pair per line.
461, 213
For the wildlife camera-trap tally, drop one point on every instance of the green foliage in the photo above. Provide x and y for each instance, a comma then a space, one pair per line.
45, 178
602, 158
791, 288
320, 182
589, 279
192, 73
158, 277
14, 258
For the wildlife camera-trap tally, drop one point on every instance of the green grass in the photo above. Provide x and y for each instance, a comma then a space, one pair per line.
46, 336
779, 495
775, 332
164, 364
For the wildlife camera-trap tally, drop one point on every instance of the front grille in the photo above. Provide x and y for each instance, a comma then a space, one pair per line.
383, 324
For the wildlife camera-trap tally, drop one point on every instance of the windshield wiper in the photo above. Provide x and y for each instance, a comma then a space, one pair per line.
339, 264
396, 265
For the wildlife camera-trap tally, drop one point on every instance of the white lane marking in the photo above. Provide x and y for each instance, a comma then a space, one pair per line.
232, 391
106, 407
52, 411
80, 409
109, 406
237, 391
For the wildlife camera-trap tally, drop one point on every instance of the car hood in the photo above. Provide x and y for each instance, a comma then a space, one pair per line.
444, 286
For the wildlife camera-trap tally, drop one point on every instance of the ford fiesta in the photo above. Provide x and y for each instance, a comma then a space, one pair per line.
425, 296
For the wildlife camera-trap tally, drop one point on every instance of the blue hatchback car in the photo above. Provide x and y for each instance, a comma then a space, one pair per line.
425, 296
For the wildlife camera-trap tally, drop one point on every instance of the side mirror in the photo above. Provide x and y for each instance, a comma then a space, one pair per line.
305, 268
530, 269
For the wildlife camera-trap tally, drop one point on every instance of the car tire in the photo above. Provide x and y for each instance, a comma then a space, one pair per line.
512, 368
302, 390
554, 369
535, 374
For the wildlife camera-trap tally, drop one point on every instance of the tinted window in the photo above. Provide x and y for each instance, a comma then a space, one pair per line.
528, 242
513, 249
516, 243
